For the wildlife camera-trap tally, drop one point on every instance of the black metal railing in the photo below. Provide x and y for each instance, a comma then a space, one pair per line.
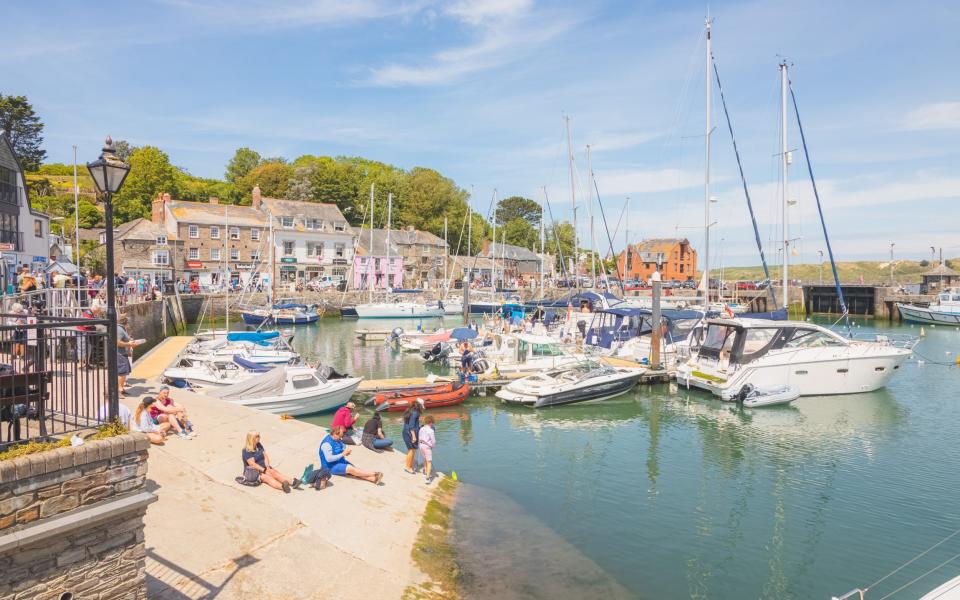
53, 376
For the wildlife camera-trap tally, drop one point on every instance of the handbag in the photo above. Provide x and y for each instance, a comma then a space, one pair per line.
250, 477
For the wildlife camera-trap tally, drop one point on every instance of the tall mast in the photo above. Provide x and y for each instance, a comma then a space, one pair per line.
784, 166
541, 250
76, 215
446, 251
389, 217
573, 205
706, 168
226, 273
273, 279
493, 248
370, 259
593, 237
626, 241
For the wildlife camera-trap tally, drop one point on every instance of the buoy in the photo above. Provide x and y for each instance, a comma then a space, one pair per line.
919, 363
453, 476
922, 332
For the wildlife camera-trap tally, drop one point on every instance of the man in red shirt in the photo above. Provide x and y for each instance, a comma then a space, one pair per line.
345, 417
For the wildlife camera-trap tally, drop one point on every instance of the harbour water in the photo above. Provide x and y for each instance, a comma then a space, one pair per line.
668, 493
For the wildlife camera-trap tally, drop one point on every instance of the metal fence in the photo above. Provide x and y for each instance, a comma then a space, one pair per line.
53, 376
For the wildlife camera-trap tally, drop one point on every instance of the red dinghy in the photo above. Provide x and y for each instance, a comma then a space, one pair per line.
399, 401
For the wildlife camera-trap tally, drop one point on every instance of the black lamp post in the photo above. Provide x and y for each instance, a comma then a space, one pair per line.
108, 173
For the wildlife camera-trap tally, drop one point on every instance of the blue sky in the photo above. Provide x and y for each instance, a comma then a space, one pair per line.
479, 90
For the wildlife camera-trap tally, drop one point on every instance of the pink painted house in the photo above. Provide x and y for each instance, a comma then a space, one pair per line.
370, 264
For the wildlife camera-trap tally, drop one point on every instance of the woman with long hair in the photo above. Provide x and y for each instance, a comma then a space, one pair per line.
257, 466
411, 427
144, 423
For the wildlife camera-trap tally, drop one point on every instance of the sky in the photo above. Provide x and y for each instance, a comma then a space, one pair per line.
481, 91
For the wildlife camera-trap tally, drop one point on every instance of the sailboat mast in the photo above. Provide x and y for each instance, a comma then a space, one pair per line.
784, 165
389, 217
593, 236
706, 165
573, 204
493, 248
273, 279
542, 236
226, 270
370, 259
446, 252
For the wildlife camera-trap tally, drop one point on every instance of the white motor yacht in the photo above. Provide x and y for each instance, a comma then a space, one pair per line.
945, 312
580, 383
625, 332
397, 310
520, 353
814, 359
211, 373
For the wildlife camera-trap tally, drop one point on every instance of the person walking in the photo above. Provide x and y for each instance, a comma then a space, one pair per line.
411, 427
427, 441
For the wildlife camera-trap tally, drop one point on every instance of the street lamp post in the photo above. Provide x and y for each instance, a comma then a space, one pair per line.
108, 173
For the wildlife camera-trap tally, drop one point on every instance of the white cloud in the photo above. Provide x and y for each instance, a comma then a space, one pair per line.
933, 116
504, 30
616, 183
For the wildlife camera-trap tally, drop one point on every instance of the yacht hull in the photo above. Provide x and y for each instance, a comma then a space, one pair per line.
400, 310
307, 402
919, 314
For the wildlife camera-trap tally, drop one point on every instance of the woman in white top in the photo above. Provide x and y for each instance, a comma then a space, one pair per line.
143, 422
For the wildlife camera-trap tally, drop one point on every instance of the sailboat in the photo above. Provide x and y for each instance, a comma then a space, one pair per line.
737, 353
398, 309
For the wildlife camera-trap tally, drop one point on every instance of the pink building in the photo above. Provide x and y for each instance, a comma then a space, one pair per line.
370, 264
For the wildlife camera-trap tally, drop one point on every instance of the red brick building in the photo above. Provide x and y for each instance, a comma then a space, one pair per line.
677, 259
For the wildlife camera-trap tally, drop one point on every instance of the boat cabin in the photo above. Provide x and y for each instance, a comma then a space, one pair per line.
738, 342
621, 324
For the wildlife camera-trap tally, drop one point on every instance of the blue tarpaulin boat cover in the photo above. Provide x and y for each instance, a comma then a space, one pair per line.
252, 336
463, 333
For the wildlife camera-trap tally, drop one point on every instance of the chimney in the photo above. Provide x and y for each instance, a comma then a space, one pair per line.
214, 200
486, 247
157, 209
256, 197
166, 197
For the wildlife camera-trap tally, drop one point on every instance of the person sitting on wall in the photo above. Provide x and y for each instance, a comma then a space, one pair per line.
333, 456
165, 410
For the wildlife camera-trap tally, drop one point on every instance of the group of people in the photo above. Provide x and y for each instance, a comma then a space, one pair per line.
334, 451
157, 417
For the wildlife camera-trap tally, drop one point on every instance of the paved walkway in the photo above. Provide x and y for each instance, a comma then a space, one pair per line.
210, 537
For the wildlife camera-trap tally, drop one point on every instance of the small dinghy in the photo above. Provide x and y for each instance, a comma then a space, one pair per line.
754, 397
450, 395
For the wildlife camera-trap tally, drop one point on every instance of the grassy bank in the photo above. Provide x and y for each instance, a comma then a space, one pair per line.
877, 272
432, 552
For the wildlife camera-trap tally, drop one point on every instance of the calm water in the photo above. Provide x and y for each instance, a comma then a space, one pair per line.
666, 493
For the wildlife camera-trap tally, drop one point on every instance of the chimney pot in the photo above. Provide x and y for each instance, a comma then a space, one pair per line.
166, 197
256, 197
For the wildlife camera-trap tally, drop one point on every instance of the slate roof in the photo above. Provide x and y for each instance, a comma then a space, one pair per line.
511, 252
941, 270
299, 210
204, 213
379, 242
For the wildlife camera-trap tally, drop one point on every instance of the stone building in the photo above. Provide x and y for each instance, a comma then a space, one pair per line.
24, 232
940, 278
311, 239
512, 262
676, 257
142, 247
423, 255
217, 240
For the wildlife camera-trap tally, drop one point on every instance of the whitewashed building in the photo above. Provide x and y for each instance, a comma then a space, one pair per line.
24, 232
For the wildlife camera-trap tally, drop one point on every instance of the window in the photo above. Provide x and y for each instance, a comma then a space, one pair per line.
315, 249
38, 228
214, 253
193, 253
339, 249
286, 221
161, 240
194, 231
288, 248
234, 233
812, 339
255, 234
681, 268
254, 255
234, 254
758, 339
314, 224
426, 249
161, 257
340, 226
214, 233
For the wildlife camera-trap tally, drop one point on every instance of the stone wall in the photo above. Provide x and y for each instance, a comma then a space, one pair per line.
71, 520
145, 320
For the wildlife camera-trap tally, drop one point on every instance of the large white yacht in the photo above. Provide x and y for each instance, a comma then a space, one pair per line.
818, 361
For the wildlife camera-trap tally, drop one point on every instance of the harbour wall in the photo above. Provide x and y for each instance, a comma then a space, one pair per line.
72, 521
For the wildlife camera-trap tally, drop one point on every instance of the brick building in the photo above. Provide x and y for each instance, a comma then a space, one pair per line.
676, 257
214, 239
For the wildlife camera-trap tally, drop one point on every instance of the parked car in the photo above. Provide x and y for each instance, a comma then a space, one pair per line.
689, 284
747, 285
325, 282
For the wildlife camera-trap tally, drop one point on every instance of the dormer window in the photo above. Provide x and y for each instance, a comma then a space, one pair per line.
340, 226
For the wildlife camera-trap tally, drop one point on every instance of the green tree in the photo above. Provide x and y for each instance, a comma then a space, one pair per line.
89, 214
244, 160
518, 207
25, 129
200, 189
300, 186
519, 232
272, 177
123, 149
150, 173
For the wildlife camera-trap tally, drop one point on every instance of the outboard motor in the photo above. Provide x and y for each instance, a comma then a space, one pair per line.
395, 335
744, 392
479, 366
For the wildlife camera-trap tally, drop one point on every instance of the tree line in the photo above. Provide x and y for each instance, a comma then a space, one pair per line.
422, 197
